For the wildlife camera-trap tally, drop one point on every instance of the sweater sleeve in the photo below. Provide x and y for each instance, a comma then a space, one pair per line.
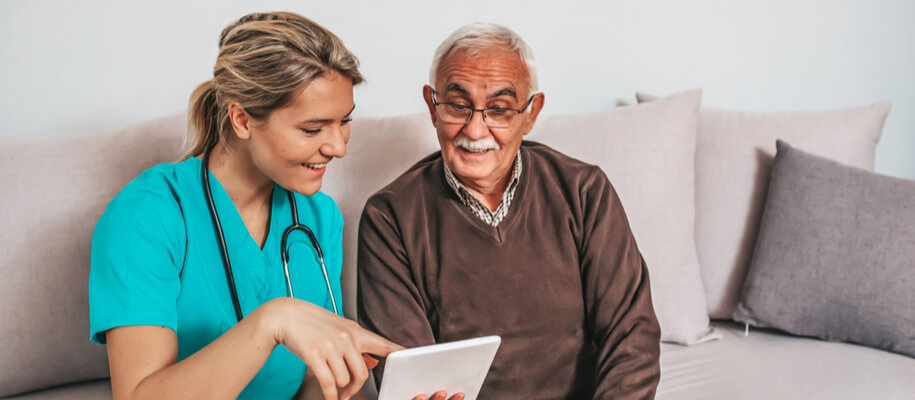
617, 297
388, 300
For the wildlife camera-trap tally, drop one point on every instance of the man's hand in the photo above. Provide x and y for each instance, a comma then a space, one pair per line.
440, 395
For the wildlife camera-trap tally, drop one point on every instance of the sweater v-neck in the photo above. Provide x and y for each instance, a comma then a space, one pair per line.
500, 233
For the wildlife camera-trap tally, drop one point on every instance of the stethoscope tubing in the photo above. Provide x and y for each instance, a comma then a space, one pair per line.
284, 254
223, 248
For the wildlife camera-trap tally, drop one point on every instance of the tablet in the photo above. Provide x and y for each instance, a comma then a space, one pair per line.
453, 367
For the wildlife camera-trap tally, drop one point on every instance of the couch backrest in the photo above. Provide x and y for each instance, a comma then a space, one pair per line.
379, 150
54, 191
57, 188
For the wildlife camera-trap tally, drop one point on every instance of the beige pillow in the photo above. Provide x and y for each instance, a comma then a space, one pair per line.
734, 156
58, 188
379, 150
647, 152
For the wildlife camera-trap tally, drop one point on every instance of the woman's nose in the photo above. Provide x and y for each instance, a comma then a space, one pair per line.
335, 145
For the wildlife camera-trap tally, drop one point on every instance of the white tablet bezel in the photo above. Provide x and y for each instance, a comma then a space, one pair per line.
454, 367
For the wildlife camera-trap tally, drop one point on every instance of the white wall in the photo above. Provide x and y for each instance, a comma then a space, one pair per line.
75, 67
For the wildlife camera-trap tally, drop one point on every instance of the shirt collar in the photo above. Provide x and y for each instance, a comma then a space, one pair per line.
478, 207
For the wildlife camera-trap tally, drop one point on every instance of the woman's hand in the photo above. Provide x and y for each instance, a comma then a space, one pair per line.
440, 395
335, 349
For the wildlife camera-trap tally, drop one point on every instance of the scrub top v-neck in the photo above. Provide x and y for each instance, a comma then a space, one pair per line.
155, 260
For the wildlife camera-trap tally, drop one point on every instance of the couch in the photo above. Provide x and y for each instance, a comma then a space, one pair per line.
693, 184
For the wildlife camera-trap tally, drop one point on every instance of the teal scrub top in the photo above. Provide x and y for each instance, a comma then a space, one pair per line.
155, 260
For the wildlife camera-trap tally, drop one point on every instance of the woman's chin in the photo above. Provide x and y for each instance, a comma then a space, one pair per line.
304, 188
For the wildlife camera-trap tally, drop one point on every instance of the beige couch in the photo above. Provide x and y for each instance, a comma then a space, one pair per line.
56, 189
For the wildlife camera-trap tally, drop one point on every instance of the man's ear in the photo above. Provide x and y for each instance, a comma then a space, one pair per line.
427, 96
241, 121
536, 106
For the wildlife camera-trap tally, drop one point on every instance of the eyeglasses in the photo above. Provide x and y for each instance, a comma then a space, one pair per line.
493, 117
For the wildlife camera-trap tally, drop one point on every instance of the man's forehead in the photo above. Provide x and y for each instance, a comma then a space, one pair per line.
502, 70
494, 91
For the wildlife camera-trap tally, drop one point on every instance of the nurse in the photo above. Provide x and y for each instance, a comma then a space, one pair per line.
272, 119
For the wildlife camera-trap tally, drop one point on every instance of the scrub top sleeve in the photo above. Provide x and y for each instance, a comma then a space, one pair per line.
137, 248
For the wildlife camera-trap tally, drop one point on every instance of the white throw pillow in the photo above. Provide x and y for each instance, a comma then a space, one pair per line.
647, 151
734, 156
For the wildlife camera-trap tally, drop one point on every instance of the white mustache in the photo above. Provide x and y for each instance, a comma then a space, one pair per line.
476, 145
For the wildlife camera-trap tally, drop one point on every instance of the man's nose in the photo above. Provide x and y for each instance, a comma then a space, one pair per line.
335, 145
476, 128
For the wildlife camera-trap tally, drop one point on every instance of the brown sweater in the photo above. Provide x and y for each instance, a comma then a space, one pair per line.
560, 279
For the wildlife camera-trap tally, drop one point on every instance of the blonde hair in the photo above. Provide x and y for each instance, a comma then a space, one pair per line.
263, 59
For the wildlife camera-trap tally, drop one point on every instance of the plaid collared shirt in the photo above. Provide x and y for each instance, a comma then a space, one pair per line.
479, 209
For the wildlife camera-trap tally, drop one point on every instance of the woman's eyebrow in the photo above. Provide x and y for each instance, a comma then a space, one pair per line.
326, 120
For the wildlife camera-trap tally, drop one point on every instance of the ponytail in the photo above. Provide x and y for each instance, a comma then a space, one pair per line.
264, 58
203, 119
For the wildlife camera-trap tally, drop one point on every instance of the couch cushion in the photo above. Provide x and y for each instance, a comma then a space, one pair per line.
768, 365
57, 188
647, 151
734, 154
835, 255
93, 390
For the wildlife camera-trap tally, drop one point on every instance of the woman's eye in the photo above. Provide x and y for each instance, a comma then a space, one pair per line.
346, 121
311, 131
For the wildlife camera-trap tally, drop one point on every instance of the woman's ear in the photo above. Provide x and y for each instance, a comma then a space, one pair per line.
241, 121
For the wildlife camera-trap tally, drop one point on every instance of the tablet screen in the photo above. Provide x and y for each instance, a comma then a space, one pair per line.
453, 367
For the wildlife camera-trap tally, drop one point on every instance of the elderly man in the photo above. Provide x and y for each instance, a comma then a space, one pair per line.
498, 236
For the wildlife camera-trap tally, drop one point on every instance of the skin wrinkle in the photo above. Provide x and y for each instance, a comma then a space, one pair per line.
487, 78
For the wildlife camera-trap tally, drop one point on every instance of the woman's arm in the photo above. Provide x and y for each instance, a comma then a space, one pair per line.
143, 359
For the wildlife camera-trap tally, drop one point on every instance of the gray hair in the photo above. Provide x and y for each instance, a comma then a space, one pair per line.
479, 36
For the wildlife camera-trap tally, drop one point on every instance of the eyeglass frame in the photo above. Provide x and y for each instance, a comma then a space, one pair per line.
482, 110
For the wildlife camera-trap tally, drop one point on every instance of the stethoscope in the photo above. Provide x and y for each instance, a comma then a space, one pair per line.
284, 254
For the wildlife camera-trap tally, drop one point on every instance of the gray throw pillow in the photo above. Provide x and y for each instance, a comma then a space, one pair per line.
835, 256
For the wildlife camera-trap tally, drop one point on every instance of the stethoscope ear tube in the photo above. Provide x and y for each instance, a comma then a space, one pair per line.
223, 249
284, 253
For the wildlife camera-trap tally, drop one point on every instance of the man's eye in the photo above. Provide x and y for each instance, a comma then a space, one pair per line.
498, 111
346, 121
458, 107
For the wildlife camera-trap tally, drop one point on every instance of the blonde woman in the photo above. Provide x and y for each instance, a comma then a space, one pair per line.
189, 285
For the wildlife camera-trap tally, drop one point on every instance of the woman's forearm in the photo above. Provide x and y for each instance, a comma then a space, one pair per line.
221, 370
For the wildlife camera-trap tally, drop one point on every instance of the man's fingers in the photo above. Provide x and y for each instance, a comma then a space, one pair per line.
421, 397
325, 379
370, 362
458, 396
